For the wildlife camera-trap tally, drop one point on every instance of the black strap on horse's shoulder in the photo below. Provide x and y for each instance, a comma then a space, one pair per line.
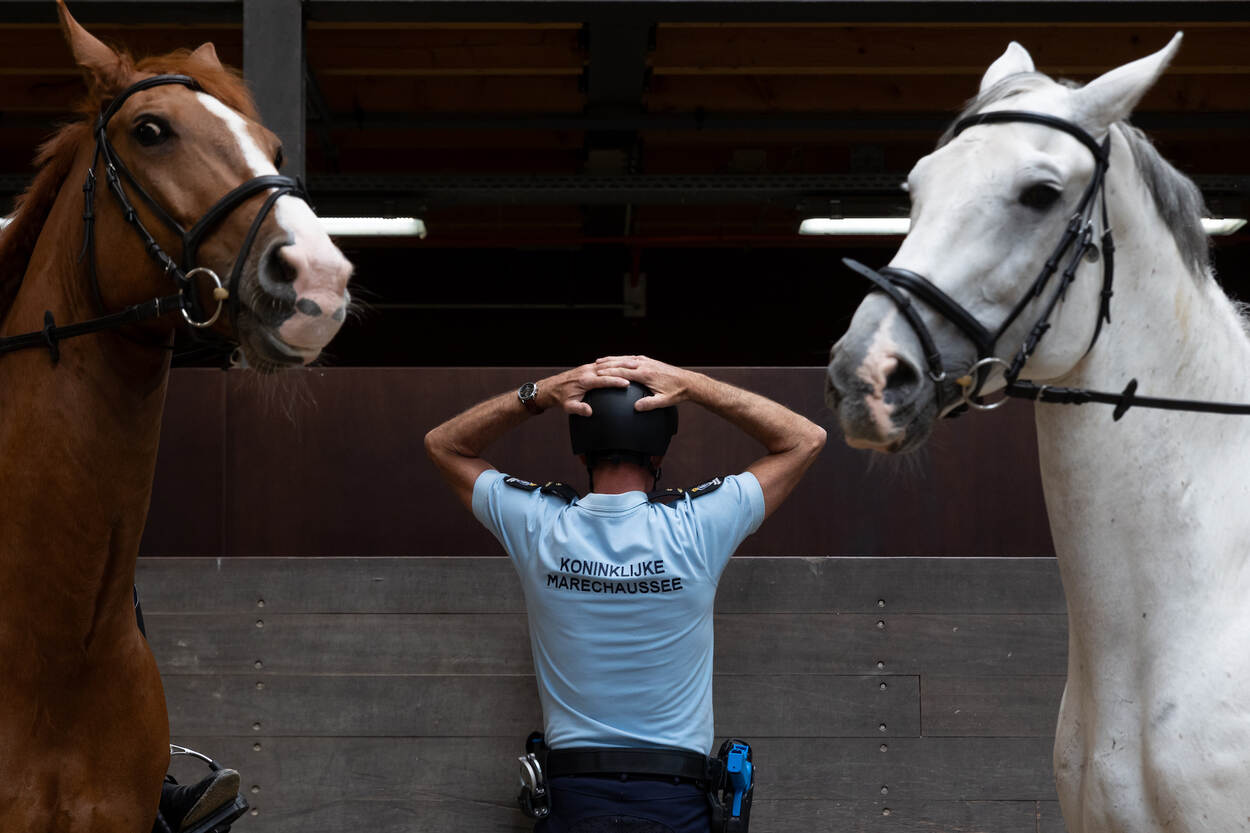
554, 488
670, 496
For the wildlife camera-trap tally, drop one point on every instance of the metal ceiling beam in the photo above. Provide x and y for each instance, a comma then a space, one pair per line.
654, 190
380, 193
833, 122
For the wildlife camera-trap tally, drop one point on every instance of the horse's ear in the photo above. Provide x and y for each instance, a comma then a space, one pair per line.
106, 70
1112, 96
1015, 60
206, 55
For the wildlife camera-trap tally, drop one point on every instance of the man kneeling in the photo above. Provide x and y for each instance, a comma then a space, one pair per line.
619, 584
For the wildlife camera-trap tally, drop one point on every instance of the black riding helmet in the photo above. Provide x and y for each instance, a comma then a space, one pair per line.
615, 429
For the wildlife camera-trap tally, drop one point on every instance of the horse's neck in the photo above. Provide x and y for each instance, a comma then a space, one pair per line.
79, 443
1149, 513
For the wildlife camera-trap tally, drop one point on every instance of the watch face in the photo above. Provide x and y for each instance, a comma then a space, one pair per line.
527, 391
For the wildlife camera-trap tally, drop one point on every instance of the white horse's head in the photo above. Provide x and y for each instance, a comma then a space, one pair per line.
989, 209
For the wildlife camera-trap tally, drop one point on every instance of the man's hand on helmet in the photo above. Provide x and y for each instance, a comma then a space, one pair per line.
565, 390
669, 385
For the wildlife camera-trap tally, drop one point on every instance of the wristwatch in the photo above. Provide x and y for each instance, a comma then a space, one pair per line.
528, 394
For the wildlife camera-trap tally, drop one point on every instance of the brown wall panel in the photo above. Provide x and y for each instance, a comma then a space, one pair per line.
187, 509
355, 698
331, 463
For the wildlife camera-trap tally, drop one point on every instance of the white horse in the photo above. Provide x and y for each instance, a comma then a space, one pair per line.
1150, 514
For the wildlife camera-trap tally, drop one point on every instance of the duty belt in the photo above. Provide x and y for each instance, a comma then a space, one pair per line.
663, 763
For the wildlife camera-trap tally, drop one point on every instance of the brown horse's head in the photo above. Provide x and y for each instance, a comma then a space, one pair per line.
186, 148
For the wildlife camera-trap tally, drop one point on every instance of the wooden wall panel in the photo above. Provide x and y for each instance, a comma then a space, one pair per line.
489, 585
331, 463
392, 694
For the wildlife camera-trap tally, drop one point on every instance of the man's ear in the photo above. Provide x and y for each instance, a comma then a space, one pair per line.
106, 71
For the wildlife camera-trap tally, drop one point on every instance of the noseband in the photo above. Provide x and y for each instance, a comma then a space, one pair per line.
1076, 242
183, 273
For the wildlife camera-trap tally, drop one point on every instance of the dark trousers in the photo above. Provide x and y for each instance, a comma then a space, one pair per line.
589, 804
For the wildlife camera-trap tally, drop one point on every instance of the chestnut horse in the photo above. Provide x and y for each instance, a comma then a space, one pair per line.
83, 728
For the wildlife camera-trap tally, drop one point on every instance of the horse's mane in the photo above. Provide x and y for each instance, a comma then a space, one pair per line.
1177, 199
55, 158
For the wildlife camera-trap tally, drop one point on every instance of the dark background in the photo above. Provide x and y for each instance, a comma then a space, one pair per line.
559, 151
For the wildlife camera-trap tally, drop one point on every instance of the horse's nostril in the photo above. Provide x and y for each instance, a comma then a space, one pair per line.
902, 380
831, 394
278, 269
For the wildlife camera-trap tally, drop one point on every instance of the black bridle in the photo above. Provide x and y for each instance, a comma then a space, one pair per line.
1077, 241
183, 273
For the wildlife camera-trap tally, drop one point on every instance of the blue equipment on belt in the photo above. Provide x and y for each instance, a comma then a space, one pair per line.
731, 809
729, 777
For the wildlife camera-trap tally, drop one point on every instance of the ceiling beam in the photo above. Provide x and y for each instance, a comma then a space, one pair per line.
848, 11
537, 11
836, 122
276, 76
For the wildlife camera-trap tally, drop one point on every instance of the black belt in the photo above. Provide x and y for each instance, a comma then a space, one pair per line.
667, 763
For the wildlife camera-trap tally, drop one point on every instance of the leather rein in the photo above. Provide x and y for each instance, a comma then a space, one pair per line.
183, 274
1077, 241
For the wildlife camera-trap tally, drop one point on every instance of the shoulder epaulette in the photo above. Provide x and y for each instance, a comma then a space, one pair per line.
561, 490
668, 496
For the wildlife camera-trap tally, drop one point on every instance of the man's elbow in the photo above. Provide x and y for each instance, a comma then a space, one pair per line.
433, 444
814, 439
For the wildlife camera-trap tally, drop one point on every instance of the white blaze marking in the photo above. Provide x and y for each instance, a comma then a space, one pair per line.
291, 213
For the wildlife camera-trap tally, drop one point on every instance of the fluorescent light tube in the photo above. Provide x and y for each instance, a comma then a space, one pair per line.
900, 225
373, 226
1222, 225
855, 225
354, 226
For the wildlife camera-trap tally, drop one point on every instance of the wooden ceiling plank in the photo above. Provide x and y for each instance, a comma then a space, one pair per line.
878, 48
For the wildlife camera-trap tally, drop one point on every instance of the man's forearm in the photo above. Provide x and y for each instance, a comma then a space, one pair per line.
470, 433
775, 426
456, 446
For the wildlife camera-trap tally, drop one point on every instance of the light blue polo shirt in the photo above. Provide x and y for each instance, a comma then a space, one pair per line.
619, 593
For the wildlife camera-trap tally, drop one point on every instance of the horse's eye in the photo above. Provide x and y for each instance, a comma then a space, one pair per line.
151, 132
278, 159
1039, 197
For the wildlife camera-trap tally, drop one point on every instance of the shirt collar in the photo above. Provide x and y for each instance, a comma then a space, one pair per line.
613, 503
